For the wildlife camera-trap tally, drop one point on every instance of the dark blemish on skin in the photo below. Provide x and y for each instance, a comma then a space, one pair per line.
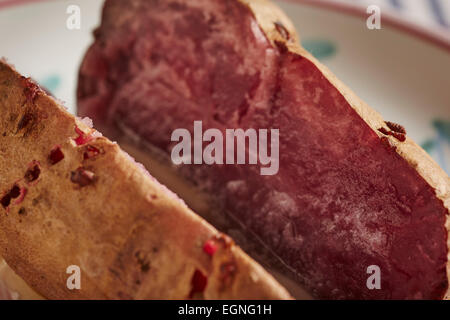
399, 136
22, 211
145, 267
6, 200
33, 172
143, 263
24, 121
82, 177
14, 193
384, 131
56, 155
281, 46
282, 30
396, 127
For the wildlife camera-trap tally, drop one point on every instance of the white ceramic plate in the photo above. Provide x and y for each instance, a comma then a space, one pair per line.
404, 77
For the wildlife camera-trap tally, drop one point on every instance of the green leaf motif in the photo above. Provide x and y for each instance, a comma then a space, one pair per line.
320, 48
51, 82
429, 145
436, 146
443, 128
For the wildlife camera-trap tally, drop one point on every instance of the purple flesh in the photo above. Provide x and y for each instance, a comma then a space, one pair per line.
342, 200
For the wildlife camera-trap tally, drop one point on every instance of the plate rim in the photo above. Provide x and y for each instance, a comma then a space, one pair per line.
348, 9
399, 24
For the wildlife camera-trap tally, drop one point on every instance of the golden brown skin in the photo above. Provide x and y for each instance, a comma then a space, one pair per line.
131, 237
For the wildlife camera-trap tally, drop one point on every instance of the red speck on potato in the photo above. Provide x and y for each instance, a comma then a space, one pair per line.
56, 155
198, 282
82, 138
210, 247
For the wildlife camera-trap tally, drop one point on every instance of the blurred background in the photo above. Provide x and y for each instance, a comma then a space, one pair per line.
427, 16
402, 70
432, 16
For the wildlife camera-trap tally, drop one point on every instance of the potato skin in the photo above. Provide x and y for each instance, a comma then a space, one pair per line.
131, 237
